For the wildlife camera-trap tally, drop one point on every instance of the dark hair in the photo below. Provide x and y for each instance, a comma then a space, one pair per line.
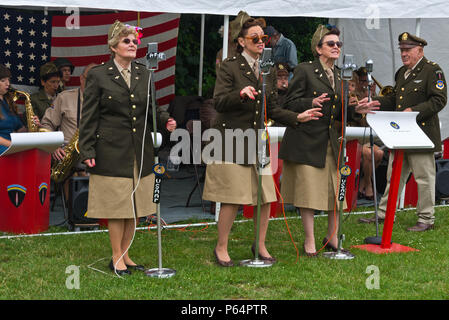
251, 22
332, 30
47, 76
4, 72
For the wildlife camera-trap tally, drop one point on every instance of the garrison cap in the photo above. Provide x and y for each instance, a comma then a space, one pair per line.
407, 40
282, 68
236, 25
47, 69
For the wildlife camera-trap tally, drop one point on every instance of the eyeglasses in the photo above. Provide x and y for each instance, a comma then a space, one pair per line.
128, 41
256, 38
332, 43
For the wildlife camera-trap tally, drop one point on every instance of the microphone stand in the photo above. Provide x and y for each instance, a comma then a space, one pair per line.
377, 239
344, 170
159, 272
262, 142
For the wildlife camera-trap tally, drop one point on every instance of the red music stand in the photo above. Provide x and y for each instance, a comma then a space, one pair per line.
398, 131
25, 182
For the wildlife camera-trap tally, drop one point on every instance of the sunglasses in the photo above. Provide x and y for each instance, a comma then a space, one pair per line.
128, 41
256, 38
332, 43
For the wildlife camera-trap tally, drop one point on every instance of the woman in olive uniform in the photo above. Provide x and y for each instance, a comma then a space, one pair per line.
112, 130
238, 100
310, 151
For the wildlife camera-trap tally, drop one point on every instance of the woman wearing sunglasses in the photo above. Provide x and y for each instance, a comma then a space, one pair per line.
238, 100
311, 151
116, 143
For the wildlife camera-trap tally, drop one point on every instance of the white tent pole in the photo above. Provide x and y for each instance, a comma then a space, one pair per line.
418, 27
392, 49
225, 37
200, 77
224, 56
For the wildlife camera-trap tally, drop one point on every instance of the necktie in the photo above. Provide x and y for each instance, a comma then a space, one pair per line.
256, 68
407, 73
330, 76
126, 76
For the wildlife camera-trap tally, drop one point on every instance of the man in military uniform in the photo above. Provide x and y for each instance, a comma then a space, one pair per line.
65, 113
66, 68
44, 98
420, 87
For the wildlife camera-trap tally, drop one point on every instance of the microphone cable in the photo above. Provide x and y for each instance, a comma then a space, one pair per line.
139, 175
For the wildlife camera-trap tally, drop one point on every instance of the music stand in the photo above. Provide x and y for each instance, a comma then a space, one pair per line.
398, 131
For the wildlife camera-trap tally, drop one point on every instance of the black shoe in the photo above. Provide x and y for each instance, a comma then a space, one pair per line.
261, 257
223, 263
328, 246
137, 267
119, 272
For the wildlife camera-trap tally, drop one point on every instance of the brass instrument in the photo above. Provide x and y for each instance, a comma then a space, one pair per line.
32, 127
384, 91
62, 169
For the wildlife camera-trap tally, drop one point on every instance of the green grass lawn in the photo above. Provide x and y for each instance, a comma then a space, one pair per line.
35, 267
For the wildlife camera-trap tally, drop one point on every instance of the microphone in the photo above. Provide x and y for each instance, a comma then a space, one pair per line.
265, 61
369, 70
348, 67
153, 56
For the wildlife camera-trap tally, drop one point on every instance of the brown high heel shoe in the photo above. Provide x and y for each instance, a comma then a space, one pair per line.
222, 263
261, 257
309, 254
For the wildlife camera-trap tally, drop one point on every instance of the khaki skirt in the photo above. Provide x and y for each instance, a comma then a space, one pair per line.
112, 197
237, 184
310, 187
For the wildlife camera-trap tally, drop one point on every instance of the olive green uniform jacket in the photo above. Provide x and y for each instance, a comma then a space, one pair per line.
40, 103
423, 91
113, 121
307, 143
237, 113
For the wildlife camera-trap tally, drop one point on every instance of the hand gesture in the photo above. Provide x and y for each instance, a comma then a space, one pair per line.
310, 114
364, 106
248, 92
317, 102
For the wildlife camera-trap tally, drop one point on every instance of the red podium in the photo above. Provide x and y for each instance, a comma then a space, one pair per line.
25, 182
398, 131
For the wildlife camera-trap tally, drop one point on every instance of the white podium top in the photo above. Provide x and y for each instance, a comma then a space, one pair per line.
399, 130
45, 141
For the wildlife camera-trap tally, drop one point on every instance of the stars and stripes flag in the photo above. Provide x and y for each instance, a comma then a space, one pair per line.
31, 39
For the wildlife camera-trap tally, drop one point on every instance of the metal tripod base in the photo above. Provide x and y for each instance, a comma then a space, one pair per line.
256, 263
339, 255
373, 240
160, 273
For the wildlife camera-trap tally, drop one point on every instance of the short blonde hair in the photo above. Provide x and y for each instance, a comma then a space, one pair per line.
117, 31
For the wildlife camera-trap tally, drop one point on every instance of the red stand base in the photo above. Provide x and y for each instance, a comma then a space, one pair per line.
375, 248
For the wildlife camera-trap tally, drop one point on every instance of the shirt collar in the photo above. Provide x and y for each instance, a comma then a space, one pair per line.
248, 58
119, 67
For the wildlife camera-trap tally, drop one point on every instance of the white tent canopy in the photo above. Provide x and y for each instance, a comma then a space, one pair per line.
304, 8
369, 29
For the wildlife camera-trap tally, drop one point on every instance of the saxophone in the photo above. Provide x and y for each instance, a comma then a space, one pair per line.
32, 127
62, 169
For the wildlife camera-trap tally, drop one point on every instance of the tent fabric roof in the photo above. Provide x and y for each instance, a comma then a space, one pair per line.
363, 9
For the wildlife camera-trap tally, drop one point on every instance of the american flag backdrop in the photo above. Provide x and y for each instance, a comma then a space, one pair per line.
29, 39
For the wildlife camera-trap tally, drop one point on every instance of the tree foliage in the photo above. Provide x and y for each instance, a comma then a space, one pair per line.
297, 29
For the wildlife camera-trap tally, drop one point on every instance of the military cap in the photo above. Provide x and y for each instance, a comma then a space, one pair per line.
282, 68
320, 32
407, 40
236, 25
47, 69
63, 62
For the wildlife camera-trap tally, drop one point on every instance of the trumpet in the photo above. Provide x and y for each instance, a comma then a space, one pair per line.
384, 90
